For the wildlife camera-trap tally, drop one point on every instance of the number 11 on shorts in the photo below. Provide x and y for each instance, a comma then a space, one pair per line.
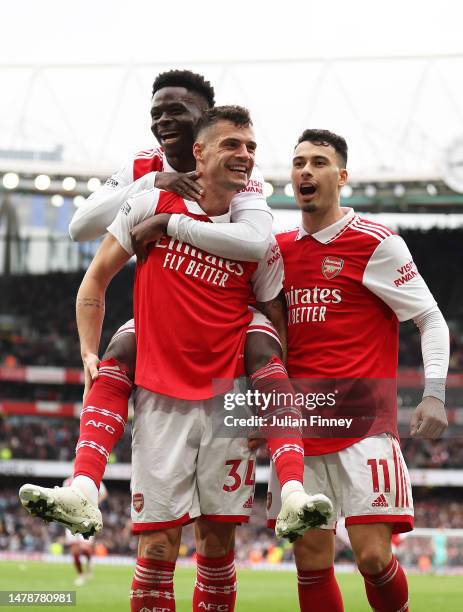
373, 463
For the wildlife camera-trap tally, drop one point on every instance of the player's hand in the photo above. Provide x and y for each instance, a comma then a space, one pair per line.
91, 363
145, 233
255, 440
429, 419
183, 183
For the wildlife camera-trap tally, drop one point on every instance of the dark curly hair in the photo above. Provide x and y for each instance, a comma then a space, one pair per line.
238, 115
325, 137
189, 80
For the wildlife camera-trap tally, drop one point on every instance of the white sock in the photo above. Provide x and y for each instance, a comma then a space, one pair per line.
87, 487
289, 487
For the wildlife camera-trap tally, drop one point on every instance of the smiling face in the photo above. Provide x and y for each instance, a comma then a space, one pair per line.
175, 112
317, 176
225, 154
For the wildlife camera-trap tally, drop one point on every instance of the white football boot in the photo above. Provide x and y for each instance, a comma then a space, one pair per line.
65, 505
301, 511
80, 580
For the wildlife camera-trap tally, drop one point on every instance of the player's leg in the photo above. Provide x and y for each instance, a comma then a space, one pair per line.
226, 481
75, 552
165, 439
153, 580
87, 552
314, 551
316, 582
102, 424
377, 502
105, 411
385, 580
268, 376
216, 574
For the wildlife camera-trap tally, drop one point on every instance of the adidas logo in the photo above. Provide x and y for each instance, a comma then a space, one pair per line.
248, 503
380, 502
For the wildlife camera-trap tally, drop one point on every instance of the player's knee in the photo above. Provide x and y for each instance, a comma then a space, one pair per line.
315, 550
259, 350
123, 349
214, 539
159, 545
371, 560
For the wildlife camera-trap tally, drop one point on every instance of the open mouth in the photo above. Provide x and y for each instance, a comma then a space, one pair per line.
241, 170
168, 137
307, 189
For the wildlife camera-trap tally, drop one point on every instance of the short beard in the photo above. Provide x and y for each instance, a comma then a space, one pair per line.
309, 208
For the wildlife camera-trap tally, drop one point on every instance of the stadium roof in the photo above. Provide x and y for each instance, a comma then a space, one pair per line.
389, 80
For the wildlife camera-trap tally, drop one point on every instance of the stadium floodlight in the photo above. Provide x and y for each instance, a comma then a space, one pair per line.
289, 191
370, 191
10, 180
399, 191
69, 183
42, 182
347, 191
93, 183
57, 200
268, 189
78, 201
431, 189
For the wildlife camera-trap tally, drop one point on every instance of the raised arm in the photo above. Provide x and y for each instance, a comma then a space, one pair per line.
100, 209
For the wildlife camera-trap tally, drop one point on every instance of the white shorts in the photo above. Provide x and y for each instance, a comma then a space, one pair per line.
259, 323
367, 482
181, 470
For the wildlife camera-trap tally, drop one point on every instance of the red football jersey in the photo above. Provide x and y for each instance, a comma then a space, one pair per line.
346, 288
151, 160
190, 307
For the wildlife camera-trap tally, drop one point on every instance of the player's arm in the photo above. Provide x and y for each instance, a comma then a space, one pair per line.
113, 253
100, 209
90, 303
267, 285
246, 238
393, 277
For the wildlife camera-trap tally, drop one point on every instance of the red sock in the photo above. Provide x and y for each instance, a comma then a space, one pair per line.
388, 590
77, 562
215, 583
103, 419
319, 591
285, 443
153, 586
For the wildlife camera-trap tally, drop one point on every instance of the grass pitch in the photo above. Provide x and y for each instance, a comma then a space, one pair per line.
258, 591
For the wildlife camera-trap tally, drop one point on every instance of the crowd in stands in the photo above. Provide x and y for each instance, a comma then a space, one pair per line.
37, 327
19, 532
37, 322
37, 317
55, 439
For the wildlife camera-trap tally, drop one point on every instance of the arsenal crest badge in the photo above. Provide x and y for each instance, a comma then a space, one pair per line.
332, 266
138, 502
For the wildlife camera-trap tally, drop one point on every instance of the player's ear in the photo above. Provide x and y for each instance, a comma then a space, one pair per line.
343, 177
198, 151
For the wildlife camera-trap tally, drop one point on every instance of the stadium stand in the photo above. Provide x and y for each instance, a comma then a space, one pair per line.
40, 402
